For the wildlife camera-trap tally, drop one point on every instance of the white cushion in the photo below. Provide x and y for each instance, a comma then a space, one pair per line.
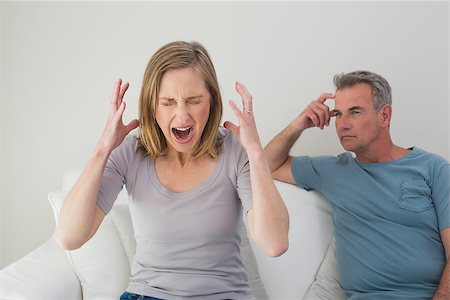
42, 274
101, 264
249, 260
326, 286
310, 231
121, 217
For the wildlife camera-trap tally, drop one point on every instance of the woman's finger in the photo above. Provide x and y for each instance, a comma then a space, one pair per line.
115, 96
119, 113
246, 97
231, 127
235, 109
123, 90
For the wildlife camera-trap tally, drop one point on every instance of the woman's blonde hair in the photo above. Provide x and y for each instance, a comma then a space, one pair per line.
176, 55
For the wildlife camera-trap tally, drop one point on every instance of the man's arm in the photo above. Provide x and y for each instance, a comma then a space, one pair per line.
316, 114
443, 290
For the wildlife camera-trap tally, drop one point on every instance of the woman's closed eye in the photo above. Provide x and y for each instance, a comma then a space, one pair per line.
194, 101
166, 102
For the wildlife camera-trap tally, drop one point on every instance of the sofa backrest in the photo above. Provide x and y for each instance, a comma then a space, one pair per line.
310, 232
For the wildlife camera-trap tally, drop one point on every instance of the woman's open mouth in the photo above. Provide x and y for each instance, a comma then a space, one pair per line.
183, 134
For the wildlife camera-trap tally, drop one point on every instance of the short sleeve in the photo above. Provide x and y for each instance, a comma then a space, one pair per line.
441, 196
307, 171
238, 167
244, 187
114, 176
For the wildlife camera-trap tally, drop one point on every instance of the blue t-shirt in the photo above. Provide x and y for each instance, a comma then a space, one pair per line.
387, 220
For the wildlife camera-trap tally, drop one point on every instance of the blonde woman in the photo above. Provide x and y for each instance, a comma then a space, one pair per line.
188, 178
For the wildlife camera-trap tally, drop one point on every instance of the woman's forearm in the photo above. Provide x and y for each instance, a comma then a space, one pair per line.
79, 210
269, 217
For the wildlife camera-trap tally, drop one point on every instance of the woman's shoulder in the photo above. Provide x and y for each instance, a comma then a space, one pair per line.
229, 140
232, 149
129, 146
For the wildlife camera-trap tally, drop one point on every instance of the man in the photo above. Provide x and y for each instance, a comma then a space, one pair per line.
391, 206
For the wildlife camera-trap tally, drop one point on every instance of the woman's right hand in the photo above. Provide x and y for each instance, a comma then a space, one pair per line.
80, 216
115, 130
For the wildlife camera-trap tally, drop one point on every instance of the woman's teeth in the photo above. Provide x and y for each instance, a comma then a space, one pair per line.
182, 133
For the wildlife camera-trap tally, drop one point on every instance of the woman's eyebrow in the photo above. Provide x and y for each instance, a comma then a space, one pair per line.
193, 97
166, 98
185, 99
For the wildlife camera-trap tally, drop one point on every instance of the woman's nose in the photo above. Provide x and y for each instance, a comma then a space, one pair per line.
182, 114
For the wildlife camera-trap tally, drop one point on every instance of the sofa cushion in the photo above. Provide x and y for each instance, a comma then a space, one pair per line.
42, 274
101, 264
326, 286
310, 231
121, 217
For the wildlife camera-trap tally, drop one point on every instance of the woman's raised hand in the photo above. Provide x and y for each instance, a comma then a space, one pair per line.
246, 131
115, 130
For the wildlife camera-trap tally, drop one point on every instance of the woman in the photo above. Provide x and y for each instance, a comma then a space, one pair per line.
188, 181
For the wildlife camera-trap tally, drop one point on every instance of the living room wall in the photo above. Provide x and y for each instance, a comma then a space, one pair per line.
2, 126
60, 60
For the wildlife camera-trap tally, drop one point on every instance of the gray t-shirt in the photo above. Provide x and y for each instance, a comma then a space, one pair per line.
187, 243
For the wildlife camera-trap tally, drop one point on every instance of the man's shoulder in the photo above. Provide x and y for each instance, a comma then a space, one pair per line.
428, 157
344, 157
325, 161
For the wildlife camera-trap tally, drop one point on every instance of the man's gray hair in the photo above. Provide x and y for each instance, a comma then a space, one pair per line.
381, 90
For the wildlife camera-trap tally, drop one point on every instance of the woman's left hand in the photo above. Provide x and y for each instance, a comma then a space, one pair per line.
246, 131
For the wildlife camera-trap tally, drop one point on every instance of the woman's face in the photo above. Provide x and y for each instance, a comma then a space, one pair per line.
182, 109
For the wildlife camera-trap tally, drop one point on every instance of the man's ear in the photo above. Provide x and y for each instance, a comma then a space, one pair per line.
385, 115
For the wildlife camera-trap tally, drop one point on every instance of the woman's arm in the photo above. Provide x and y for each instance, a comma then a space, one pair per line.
80, 216
268, 219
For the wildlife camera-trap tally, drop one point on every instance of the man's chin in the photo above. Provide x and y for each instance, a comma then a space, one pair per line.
347, 146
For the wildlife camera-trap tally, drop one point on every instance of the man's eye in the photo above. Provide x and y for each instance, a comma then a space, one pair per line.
355, 112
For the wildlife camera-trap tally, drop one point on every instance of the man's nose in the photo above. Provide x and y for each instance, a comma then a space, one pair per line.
342, 123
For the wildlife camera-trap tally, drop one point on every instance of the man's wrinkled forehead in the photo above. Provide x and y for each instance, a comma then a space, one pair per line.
358, 94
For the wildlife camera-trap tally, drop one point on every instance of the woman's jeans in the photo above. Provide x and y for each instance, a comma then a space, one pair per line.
130, 296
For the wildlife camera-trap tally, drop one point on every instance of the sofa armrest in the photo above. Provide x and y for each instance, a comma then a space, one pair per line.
45, 273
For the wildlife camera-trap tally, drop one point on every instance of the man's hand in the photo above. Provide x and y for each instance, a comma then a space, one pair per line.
316, 114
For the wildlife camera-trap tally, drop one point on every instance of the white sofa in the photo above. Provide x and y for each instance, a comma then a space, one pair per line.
100, 269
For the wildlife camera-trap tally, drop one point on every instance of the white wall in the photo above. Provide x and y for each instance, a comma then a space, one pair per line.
61, 60
2, 210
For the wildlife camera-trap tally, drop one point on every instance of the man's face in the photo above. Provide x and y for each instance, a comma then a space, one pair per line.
358, 125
